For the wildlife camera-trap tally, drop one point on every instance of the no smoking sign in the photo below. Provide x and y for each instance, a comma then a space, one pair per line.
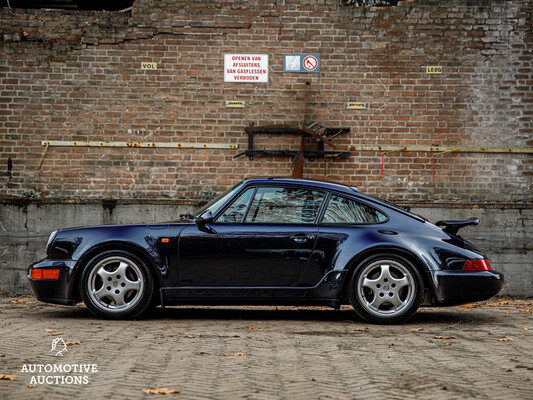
308, 63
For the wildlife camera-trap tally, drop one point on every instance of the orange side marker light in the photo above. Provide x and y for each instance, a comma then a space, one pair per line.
44, 273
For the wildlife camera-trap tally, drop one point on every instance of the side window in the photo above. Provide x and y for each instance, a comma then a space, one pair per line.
341, 210
285, 205
235, 212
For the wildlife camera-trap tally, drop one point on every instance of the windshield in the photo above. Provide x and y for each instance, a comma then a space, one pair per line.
215, 204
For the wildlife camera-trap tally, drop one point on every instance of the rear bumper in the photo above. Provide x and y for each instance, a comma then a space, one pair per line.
460, 287
56, 291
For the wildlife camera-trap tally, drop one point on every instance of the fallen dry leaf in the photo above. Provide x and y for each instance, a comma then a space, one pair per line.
163, 390
6, 377
360, 330
57, 333
32, 386
414, 330
17, 301
2, 355
255, 328
471, 305
525, 329
191, 336
448, 344
237, 354
50, 330
445, 337
73, 342
499, 303
399, 338
505, 339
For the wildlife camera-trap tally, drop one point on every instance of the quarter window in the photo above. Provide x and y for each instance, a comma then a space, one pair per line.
341, 210
236, 211
285, 205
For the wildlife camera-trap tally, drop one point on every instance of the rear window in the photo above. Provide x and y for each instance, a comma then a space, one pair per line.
341, 210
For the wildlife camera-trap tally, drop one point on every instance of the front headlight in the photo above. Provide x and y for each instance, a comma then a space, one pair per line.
50, 240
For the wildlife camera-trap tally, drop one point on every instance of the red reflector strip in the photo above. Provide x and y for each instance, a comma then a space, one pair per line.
44, 273
477, 265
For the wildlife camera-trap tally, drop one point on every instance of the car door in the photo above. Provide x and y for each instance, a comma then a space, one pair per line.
264, 238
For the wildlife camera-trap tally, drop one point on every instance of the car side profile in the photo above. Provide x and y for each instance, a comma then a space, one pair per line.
270, 241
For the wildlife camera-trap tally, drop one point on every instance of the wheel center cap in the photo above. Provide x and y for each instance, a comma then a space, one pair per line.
115, 283
386, 287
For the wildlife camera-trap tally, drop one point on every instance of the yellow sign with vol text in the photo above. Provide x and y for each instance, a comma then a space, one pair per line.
149, 66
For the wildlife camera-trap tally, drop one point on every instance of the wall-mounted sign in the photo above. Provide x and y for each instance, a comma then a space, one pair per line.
235, 104
148, 66
434, 69
301, 63
356, 106
246, 68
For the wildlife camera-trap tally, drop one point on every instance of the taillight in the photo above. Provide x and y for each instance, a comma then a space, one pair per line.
42, 273
476, 265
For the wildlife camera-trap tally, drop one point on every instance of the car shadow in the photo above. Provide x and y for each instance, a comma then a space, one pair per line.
271, 313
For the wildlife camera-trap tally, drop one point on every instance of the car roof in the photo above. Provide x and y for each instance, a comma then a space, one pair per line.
303, 181
327, 185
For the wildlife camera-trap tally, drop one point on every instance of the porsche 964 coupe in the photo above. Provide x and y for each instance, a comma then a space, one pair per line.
270, 241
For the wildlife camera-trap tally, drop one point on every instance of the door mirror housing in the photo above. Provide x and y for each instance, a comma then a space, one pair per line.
205, 218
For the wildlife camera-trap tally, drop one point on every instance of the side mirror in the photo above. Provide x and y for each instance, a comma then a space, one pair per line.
205, 218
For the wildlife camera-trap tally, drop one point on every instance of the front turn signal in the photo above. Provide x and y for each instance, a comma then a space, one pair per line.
42, 273
477, 265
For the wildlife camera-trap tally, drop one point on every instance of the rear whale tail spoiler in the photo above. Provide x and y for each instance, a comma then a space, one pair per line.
452, 227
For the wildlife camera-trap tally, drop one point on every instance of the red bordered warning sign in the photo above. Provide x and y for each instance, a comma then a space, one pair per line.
310, 63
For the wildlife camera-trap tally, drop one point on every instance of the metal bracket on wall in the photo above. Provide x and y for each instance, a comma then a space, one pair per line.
440, 149
147, 145
321, 134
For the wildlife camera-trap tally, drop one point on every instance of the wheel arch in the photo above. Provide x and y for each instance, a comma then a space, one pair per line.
356, 260
115, 245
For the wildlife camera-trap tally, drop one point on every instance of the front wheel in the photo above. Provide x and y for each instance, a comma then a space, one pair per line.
116, 285
386, 289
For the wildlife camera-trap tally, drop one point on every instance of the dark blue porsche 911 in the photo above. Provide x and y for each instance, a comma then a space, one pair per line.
270, 241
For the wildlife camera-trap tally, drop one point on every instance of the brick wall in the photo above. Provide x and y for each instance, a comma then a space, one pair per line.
67, 75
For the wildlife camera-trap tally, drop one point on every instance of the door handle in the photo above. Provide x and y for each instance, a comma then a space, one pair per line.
301, 237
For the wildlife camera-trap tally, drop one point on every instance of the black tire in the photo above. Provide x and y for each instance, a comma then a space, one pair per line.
116, 284
386, 288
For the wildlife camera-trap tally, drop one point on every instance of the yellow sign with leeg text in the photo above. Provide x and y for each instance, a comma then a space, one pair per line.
149, 66
434, 69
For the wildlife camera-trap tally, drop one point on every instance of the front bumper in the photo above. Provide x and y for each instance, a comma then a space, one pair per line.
56, 291
460, 287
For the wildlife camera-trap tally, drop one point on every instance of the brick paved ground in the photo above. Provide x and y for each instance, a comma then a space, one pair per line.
274, 353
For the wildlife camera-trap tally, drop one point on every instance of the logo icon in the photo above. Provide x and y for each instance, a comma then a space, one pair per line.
59, 343
310, 63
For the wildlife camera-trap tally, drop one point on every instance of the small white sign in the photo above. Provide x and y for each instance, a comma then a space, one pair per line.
246, 68
292, 62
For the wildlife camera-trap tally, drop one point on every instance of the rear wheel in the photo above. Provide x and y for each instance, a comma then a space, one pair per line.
386, 289
117, 285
